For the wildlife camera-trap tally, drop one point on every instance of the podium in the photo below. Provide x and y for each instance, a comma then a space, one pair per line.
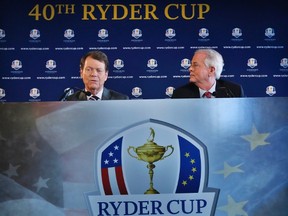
229, 157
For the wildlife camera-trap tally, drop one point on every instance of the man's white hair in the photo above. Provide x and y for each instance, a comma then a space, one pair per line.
213, 59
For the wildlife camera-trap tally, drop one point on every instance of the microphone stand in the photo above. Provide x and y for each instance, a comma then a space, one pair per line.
69, 91
66, 94
223, 92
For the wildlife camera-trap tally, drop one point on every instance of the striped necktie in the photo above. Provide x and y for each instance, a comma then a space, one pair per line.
207, 94
93, 98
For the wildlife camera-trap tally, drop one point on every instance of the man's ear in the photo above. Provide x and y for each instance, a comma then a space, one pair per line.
106, 73
81, 73
212, 70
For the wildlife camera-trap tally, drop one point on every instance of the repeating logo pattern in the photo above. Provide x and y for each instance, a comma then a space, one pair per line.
133, 42
69, 34
34, 34
152, 63
136, 92
34, 93
51, 64
236, 32
103, 33
16, 64
118, 64
137, 33
170, 33
2, 33
2, 93
270, 90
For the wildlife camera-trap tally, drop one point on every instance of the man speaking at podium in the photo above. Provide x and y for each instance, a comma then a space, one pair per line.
94, 67
205, 71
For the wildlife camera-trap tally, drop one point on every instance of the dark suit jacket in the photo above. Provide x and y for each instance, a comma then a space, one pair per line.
223, 89
108, 94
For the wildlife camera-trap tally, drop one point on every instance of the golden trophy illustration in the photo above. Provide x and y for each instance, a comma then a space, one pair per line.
150, 152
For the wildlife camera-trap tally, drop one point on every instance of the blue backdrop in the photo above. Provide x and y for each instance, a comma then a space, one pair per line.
41, 44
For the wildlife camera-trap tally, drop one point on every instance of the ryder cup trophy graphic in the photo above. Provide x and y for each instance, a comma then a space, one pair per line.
150, 152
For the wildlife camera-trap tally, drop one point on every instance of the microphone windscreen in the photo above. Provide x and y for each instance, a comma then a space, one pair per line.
87, 93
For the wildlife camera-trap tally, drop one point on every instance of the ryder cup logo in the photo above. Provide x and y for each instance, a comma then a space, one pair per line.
103, 33
236, 32
252, 62
169, 91
132, 173
269, 32
170, 33
118, 64
284, 62
185, 63
203, 32
34, 93
152, 63
136, 92
136, 33
2, 34
34, 34
16, 64
69, 33
50, 64
270, 90
2, 93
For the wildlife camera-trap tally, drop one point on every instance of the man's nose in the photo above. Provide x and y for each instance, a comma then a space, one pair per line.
94, 73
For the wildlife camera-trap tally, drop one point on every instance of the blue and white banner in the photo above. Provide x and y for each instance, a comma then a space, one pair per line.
149, 45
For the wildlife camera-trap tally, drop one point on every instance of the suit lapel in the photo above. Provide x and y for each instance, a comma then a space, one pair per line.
82, 96
106, 94
195, 93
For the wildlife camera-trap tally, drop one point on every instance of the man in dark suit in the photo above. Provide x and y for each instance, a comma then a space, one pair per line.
205, 71
94, 67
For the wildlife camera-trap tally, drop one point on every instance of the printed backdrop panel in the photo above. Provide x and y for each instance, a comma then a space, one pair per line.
41, 44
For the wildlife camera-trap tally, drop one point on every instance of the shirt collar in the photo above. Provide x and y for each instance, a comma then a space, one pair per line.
99, 94
212, 89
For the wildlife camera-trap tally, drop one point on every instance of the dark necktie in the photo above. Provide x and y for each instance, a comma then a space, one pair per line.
93, 98
207, 94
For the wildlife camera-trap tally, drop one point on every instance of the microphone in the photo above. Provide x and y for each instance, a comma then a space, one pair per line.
87, 93
70, 91
67, 92
223, 92
230, 93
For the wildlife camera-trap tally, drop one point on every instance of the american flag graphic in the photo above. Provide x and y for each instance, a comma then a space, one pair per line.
111, 169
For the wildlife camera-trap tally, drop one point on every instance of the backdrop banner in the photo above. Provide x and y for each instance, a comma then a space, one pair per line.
149, 45
145, 157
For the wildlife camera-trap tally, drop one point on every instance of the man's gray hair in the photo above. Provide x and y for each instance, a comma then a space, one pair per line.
213, 59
